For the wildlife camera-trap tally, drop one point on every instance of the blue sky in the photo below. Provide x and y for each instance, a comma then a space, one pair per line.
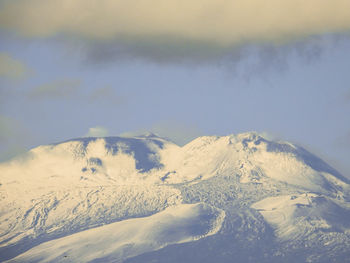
63, 81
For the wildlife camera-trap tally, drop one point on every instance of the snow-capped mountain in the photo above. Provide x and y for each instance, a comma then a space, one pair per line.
237, 198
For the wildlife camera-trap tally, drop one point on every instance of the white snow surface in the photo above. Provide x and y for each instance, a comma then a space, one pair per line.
120, 240
60, 193
294, 215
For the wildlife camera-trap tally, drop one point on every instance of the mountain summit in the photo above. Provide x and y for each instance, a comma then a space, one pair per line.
236, 198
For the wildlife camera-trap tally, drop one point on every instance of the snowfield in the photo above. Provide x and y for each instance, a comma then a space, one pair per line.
294, 215
120, 240
237, 198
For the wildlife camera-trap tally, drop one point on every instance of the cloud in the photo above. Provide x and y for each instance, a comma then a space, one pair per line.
72, 88
220, 21
177, 132
341, 146
97, 131
105, 94
12, 138
176, 28
12, 68
347, 96
7, 128
57, 89
343, 141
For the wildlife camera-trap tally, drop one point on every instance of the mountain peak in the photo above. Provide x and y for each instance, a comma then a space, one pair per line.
253, 191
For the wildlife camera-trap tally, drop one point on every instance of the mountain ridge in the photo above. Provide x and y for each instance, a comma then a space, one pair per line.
68, 188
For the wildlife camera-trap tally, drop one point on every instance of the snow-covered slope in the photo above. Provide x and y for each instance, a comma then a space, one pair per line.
113, 242
278, 199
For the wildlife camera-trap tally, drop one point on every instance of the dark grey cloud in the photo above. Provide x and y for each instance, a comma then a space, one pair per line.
245, 60
164, 50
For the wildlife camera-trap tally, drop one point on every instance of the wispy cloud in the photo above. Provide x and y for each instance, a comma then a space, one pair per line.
12, 138
177, 132
347, 96
67, 88
97, 131
169, 28
6, 128
64, 88
105, 94
12, 68
343, 141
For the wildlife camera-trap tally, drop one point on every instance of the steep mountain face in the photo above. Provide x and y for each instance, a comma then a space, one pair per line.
237, 198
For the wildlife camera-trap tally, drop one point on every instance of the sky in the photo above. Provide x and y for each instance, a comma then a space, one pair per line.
181, 69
